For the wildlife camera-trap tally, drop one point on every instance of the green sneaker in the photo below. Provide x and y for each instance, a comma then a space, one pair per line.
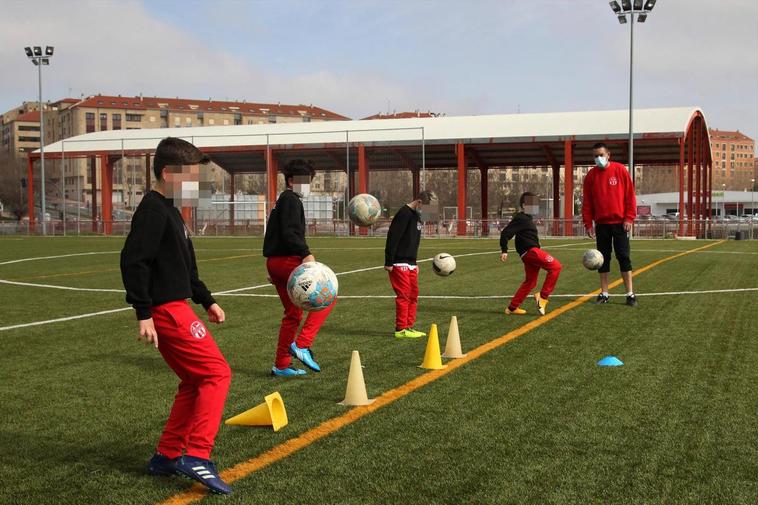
401, 334
413, 333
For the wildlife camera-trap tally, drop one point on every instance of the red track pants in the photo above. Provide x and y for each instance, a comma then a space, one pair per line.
404, 281
534, 260
189, 349
279, 269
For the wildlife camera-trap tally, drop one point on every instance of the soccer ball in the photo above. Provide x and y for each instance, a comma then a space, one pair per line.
592, 259
443, 264
364, 209
312, 286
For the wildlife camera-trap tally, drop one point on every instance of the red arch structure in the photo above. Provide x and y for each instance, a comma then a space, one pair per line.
560, 141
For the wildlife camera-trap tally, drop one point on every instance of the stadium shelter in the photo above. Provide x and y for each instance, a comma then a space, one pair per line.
663, 136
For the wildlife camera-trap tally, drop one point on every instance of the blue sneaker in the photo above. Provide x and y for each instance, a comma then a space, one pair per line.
202, 471
305, 355
286, 372
161, 465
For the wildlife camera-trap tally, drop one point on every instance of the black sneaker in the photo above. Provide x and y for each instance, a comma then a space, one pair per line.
204, 472
161, 465
631, 300
601, 298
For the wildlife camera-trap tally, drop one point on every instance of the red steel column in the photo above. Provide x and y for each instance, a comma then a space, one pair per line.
681, 186
484, 171
350, 195
698, 145
704, 174
568, 192
462, 188
271, 175
416, 174
556, 198
93, 188
690, 166
363, 169
106, 173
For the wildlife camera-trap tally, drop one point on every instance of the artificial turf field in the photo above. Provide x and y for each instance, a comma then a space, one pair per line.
531, 421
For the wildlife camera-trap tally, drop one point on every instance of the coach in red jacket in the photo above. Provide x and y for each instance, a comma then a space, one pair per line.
608, 210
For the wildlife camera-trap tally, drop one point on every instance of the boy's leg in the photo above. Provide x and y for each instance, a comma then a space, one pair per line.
531, 272
623, 254
553, 267
279, 269
312, 325
604, 241
410, 320
401, 285
191, 349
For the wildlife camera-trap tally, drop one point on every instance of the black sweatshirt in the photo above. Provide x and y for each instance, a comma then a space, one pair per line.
403, 237
158, 261
523, 227
285, 232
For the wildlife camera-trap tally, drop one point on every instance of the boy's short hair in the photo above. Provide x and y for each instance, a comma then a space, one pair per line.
523, 197
600, 145
175, 151
425, 196
298, 167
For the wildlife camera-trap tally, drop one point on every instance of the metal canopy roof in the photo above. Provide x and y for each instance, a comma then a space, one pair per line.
493, 140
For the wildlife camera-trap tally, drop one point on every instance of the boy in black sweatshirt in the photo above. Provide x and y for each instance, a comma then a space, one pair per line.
534, 258
159, 272
285, 249
400, 254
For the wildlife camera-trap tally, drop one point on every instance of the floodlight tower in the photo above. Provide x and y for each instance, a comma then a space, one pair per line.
641, 9
40, 58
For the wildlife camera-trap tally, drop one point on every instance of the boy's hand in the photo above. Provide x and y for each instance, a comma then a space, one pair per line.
503, 257
216, 314
627, 226
147, 333
591, 233
389, 268
309, 258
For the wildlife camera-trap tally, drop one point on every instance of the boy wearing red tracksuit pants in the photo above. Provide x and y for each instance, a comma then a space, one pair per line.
534, 258
159, 272
285, 248
610, 203
400, 253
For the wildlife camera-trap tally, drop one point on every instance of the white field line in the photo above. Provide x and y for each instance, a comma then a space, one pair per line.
37, 258
62, 319
706, 251
496, 297
67, 288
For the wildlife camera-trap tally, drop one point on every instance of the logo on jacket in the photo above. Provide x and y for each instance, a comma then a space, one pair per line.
418, 226
613, 181
549, 259
198, 330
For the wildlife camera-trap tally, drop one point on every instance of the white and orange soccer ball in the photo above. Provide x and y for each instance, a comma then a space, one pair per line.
364, 209
312, 286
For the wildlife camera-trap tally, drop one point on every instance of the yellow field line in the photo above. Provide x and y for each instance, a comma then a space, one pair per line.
281, 451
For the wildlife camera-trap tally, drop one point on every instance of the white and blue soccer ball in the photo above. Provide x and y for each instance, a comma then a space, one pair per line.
312, 286
364, 209
443, 264
592, 259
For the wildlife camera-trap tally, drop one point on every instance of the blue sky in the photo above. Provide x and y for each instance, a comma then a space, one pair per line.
361, 57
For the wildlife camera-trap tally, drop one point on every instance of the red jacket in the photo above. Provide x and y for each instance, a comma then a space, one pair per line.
608, 196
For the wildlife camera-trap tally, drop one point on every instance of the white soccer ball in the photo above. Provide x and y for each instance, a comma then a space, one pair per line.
312, 286
443, 264
364, 209
592, 259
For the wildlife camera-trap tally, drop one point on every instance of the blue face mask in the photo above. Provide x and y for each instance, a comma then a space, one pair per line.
601, 161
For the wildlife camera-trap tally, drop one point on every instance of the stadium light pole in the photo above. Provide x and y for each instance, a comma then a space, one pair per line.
39, 57
640, 8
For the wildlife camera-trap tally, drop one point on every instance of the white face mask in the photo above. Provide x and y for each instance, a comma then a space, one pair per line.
303, 189
601, 161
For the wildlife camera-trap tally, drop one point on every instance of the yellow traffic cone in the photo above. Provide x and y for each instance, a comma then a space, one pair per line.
355, 393
269, 413
453, 344
432, 359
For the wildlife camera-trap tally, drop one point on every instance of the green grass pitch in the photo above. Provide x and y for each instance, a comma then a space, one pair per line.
532, 422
